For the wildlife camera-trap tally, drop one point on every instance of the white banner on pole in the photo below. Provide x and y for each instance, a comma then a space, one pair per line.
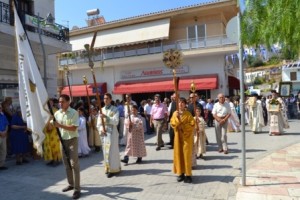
32, 92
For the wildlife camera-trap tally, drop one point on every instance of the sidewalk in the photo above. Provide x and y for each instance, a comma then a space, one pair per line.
276, 176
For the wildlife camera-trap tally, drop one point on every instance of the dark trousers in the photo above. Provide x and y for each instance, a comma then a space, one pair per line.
171, 134
149, 129
210, 119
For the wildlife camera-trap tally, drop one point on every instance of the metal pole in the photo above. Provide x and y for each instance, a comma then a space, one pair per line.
66, 68
43, 50
242, 106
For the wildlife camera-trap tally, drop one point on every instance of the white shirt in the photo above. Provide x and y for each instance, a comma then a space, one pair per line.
221, 109
147, 109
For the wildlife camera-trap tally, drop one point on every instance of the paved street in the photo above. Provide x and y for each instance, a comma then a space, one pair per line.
215, 178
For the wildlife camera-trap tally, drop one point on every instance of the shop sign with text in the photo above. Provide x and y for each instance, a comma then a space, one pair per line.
159, 71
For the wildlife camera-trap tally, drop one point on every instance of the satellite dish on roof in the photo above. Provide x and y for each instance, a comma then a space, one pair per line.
232, 29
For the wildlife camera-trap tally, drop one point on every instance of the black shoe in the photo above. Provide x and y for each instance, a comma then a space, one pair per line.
188, 179
125, 160
3, 168
139, 160
18, 163
170, 147
180, 178
76, 195
97, 149
50, 163
162, 145
68, 188
109, 175
157, 148
55, 163
168, 143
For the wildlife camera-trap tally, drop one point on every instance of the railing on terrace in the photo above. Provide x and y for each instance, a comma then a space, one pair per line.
77, 57
62, 32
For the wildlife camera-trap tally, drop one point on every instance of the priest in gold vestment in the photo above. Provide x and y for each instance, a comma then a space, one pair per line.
183, 124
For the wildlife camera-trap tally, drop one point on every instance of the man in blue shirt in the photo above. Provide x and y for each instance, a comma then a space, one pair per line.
3, 134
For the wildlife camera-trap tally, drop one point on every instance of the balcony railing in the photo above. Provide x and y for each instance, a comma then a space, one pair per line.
6, 16
78, 57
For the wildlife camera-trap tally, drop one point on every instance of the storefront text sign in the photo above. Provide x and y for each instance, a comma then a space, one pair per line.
159, 71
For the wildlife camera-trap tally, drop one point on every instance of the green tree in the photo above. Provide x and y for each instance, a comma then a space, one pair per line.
273, 21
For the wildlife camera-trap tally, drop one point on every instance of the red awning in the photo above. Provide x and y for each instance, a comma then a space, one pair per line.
234, 83
145, 86
80, 90
203, 82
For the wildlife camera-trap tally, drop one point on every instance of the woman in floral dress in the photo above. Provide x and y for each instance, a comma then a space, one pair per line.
51, 143
135, 141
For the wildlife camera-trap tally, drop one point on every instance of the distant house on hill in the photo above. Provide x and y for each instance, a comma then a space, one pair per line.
269, 73
291, 73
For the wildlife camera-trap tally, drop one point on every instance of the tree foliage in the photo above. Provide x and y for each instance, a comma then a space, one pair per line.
272, 21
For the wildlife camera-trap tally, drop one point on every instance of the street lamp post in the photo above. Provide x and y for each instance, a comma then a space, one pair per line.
49, 21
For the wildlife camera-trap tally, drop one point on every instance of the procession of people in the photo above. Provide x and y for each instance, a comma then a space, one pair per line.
85, 128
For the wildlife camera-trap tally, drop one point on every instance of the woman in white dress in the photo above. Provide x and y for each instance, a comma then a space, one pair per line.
83, 147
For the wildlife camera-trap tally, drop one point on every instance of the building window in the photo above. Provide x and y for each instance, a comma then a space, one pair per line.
26, 6
196, 32
293, 76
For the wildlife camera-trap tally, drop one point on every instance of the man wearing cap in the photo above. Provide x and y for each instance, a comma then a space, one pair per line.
278, 119
159, 115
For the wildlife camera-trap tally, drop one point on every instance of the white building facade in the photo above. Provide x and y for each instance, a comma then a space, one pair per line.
291, 73
128, 53
54, 39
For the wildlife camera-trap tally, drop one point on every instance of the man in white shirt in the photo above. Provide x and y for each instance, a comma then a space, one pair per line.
221, 113
147, 110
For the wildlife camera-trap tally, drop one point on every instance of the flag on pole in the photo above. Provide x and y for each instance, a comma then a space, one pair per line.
32, 92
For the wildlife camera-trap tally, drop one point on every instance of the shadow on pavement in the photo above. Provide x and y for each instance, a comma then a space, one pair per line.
247, 150
203, 167
207, 178
221, 157
130, 172
112, 192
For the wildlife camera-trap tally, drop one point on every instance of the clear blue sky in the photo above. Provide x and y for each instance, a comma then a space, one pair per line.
73, 12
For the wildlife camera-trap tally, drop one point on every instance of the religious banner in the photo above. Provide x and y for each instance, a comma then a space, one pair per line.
32, 92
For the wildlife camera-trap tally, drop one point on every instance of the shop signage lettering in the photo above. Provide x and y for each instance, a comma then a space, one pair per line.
160, 71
